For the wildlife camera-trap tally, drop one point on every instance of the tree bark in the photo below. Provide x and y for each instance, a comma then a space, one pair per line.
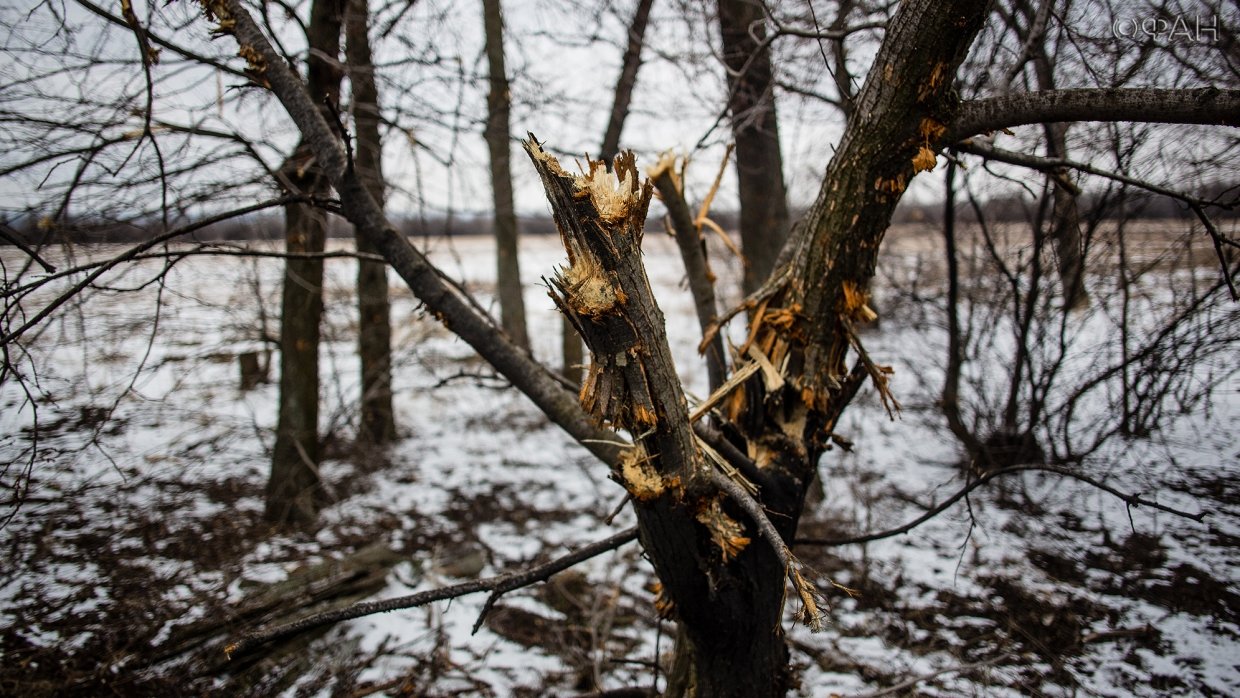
497, 134
377, 424
294, 491
755, 128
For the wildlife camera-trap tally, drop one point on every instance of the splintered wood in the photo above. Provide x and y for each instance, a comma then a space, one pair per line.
632, 383
600, 217
604, 292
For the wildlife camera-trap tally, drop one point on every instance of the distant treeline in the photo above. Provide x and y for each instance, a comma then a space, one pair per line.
270, 225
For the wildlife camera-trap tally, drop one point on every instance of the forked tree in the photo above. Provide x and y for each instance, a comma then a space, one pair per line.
716, 502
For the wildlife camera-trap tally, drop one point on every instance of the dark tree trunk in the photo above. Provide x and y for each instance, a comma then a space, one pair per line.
1066, 224
626, 82
759, 162
571, 345
508, 271
950, 399
294, 492
378, 425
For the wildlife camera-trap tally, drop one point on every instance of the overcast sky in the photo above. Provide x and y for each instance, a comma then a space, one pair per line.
563, 59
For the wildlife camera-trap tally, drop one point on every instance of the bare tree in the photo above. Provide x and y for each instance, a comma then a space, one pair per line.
508, 272
755, 128
294, 491
1009, 420
718, 490
377, 423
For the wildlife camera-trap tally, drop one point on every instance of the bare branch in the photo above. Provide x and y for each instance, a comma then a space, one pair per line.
961, 669
1218, 239
1043, 164
1206, 105
1052, 165
811, 613
170, 45
14, 239
134, 252
498, 584
693, 253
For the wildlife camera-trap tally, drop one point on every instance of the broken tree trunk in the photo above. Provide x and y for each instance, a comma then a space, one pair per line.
726, 593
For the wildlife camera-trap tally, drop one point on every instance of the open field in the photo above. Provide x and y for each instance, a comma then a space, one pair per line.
143, 468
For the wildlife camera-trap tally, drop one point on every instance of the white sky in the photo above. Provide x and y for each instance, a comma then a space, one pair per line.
433, 88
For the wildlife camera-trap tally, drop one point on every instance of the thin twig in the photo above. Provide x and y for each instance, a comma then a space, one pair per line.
619, 508
1217, 239
17, 242
139, 249
1133, 500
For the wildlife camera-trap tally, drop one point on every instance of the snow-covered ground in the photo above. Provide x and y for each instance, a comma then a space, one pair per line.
144, 499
